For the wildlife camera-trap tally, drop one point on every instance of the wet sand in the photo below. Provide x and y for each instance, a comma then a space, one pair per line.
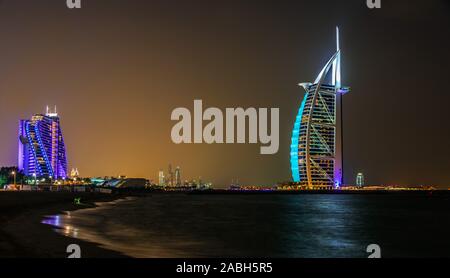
23, 236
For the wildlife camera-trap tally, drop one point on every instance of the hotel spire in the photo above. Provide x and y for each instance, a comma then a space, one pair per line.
337, 63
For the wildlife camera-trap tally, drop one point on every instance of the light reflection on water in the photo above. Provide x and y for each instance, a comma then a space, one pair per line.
52, 220
66, 229
311, 226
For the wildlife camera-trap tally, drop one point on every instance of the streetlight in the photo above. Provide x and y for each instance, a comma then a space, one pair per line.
14, 174
35, 176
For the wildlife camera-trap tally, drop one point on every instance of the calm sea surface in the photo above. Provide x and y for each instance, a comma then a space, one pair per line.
311, 226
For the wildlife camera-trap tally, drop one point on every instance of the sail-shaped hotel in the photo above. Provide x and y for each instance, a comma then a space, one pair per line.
316, 149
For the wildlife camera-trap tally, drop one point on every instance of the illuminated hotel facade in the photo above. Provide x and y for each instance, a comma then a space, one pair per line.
316, 144
42, 152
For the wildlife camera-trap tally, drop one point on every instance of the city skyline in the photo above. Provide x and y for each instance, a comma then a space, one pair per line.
116, 80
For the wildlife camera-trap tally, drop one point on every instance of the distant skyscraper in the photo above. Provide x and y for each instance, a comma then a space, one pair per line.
170, 177
41, 146
74, 173
316, 149
360, 180
162, 178
178, 176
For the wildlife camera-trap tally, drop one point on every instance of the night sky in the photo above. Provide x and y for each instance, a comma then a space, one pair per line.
116, 70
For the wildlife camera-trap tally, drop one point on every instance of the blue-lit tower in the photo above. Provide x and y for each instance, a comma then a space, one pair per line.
42, 151
316, 147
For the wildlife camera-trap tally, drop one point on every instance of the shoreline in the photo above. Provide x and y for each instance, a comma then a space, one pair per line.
319, 192
22, 235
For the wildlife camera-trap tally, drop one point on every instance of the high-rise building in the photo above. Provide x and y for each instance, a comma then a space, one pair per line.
170, 177
74, 173
178, 176
162, 178
316, 149
360, 180
42, 152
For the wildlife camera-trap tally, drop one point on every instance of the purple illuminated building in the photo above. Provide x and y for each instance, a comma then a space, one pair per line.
41, 147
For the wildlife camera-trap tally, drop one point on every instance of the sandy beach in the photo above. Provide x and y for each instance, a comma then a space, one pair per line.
23, 236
